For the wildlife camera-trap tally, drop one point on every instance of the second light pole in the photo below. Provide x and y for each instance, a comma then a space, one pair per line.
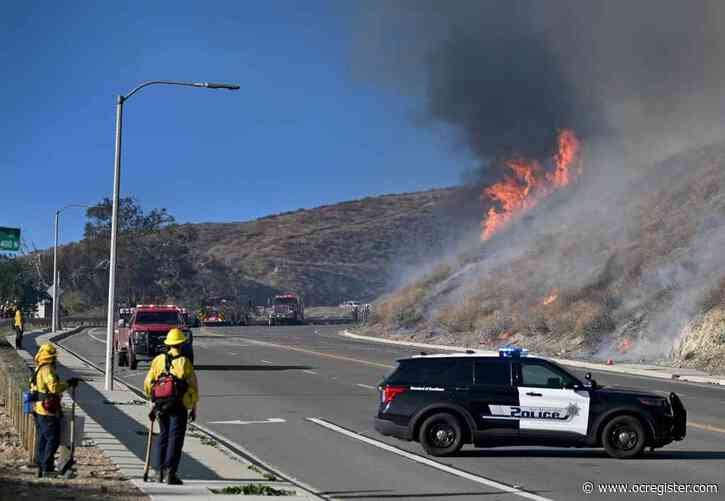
54, 320
114, 212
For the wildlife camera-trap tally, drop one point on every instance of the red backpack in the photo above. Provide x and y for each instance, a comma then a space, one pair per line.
168, 390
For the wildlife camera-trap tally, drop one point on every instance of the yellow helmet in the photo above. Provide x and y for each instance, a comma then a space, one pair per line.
46, 354
174, 337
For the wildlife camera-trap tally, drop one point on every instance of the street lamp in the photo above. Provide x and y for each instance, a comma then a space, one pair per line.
114, 214
54, 321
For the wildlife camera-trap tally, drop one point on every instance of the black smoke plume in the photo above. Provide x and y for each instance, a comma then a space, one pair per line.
509, 74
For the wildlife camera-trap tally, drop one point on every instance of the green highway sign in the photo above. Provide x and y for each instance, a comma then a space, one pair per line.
9, 239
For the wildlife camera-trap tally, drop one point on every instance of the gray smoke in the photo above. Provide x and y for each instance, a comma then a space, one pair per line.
508, 74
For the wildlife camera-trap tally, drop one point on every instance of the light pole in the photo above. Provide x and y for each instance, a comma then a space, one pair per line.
54, 321
114, 213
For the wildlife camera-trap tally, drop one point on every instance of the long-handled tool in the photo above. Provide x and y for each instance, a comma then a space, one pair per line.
152, 418
66, 468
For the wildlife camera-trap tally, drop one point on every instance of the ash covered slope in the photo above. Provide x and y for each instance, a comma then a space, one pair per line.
356, 249
629, 265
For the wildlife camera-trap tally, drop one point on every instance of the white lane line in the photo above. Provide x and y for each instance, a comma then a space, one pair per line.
428, 462
90, 333
262, 421
366, 386
310, 372
266, 362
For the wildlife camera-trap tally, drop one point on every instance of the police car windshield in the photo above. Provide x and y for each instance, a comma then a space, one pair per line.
157, 317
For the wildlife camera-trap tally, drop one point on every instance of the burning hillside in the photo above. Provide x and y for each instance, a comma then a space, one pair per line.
529, 183
651, 287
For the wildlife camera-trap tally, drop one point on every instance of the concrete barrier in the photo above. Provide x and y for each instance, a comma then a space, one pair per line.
14, 377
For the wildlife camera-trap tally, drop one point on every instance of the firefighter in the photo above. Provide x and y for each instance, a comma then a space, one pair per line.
47, 388
172, 416
19, 328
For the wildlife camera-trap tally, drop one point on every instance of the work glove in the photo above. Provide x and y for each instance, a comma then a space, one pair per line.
192, 415
73, 382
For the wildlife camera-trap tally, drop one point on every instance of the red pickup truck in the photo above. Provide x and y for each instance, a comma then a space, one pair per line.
142, 336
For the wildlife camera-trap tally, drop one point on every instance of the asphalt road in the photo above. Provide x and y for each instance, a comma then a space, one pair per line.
267, 383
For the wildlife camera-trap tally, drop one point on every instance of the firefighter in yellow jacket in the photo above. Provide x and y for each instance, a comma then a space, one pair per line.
19, 325
173, 416
47, 388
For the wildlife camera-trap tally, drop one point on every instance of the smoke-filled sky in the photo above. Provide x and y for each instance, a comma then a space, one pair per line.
509, 74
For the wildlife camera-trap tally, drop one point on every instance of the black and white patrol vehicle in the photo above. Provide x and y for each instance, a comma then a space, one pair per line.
446, 401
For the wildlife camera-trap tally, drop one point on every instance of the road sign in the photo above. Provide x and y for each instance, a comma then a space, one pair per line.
9, 239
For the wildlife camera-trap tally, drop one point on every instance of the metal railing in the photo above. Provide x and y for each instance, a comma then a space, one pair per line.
14, 377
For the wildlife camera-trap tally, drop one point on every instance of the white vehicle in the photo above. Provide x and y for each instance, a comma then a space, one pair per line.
350, 305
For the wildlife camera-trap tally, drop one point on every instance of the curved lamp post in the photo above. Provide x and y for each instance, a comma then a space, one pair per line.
114, 215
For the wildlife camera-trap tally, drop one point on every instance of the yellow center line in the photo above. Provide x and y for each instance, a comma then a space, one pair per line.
706, 427
319, 353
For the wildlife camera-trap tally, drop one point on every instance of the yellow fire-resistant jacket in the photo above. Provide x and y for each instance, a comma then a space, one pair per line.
47, 380
19, 319
181, 368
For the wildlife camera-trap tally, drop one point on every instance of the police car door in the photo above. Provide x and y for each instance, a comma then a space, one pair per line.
548, 405
493, 390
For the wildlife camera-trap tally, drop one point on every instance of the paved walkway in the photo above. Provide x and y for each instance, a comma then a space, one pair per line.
117, 423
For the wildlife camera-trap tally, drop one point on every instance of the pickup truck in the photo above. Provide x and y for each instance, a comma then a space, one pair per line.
142, 336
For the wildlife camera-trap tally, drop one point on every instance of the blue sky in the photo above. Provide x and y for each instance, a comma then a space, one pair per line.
303, 131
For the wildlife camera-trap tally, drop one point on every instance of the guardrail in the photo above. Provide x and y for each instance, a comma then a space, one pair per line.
14, 376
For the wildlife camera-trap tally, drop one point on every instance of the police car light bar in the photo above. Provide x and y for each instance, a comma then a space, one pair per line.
512, 352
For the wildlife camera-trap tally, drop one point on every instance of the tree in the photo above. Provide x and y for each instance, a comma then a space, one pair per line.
18, 282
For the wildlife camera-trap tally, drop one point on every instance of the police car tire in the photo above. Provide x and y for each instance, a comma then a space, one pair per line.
627, 424
441, 422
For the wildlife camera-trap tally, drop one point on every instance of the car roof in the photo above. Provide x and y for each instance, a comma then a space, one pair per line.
157, 308
473, 354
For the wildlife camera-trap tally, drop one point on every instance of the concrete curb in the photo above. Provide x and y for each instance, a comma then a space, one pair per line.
656, 372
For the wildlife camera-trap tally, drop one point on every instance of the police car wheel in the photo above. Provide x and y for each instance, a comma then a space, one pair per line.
441, 434
624, 437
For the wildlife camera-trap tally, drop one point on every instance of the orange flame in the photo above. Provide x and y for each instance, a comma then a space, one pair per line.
624, 346
553, 296
529, 183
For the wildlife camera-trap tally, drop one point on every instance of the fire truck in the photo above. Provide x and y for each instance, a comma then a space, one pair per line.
142, 335
286, 308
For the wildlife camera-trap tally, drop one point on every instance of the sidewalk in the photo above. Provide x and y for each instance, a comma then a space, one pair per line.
117, 423
658, 371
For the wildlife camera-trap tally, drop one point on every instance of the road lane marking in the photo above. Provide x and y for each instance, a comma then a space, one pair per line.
365, 386
706, 427
428, 462
262, 421
319, 354
310, 372
266, 362
90, 333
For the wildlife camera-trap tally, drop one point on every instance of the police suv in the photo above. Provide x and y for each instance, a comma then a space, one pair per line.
446, 401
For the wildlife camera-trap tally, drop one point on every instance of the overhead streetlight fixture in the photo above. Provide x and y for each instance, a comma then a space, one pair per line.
114, 214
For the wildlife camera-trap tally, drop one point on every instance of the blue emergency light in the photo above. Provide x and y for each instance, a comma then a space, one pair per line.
512, 352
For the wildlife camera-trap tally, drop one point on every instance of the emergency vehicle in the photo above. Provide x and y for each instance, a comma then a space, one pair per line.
142, 336
286, 308
446, 401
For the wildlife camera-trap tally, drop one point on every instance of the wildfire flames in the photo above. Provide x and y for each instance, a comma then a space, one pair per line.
624, 346
530, 182
553, 296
